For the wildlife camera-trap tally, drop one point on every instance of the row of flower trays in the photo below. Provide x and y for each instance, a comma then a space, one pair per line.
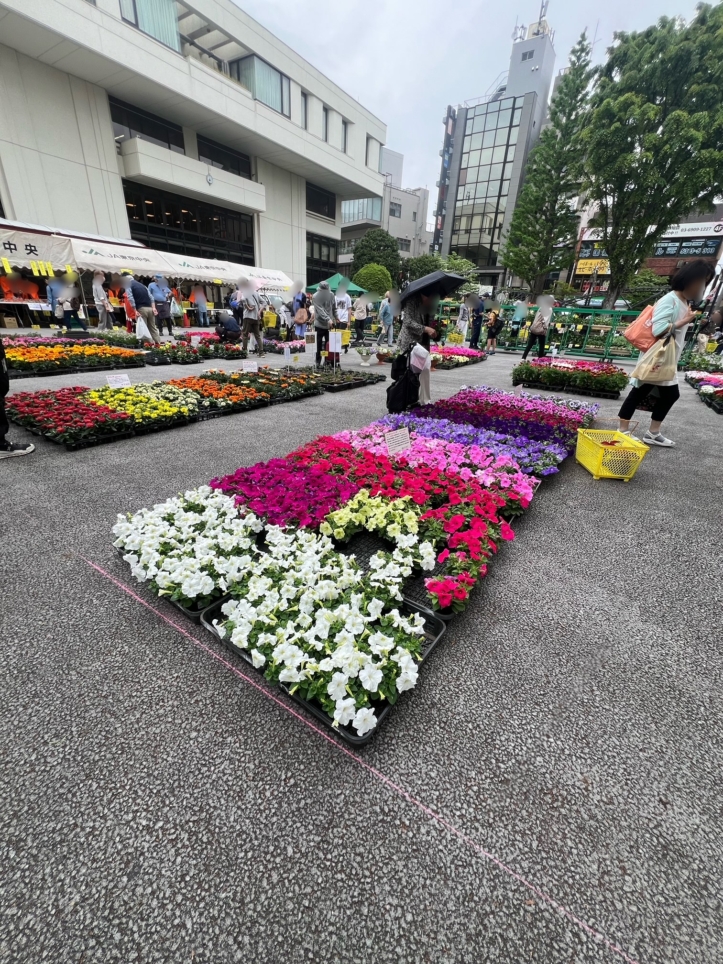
598, 379
30, 357
709, 386
80, 417
332, 571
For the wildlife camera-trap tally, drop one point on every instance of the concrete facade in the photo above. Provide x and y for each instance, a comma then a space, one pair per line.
59, 163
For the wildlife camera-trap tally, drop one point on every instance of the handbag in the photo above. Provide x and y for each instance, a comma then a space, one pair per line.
660, 362
59, 313
538, 325
176, 310
300, 316
640, 332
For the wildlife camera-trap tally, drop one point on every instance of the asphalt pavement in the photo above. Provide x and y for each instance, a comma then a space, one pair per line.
549, 793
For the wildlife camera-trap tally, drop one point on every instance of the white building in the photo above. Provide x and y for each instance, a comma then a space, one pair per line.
184, 125
403, 213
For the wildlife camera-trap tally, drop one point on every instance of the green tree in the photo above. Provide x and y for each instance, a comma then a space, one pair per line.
374, 277
462, 266
377, 247
413, 268
645, 287
544, 225
654, 144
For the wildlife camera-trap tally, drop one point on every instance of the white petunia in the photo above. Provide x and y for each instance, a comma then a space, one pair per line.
344, 712
337, 687
355, 624
258, 658
364, 720
370, 676
375, 608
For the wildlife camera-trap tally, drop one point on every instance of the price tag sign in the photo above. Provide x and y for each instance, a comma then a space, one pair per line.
295, 359
50, 269
34, 268
118, 380
249, 366
217, 281
6, 266
335, 341
195, 340
398, 441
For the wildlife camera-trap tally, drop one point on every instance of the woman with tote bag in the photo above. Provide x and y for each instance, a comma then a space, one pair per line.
658, 367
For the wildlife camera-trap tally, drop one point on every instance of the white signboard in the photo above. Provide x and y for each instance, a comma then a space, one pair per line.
195, 340
335, 341
249, 366
118, 380
398, 441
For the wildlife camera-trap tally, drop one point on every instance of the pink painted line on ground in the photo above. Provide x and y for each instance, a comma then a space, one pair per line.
598, 936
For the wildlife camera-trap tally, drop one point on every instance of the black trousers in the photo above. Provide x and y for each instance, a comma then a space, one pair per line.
322, 342
476, 332
4, 389
359, 328
668, 395
531, 339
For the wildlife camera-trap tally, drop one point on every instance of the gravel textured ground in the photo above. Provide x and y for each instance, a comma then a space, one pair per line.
157, 807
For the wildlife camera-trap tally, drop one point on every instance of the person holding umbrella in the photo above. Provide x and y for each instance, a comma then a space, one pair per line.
420, 300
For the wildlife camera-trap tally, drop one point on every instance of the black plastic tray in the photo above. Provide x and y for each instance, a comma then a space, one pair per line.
435, 628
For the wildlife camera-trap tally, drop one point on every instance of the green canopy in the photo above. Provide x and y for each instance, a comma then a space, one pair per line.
338, 279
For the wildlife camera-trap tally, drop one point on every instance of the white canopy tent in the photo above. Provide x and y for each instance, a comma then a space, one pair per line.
39, 252
92, 255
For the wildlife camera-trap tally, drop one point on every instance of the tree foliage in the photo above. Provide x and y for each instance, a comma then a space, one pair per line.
374, 277
654, 144
544, 225
377, 247
462, 266
413, 268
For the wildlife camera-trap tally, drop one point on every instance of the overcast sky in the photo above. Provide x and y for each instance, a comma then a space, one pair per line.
406, 60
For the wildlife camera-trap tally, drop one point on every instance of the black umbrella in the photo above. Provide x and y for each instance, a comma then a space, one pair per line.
439, 283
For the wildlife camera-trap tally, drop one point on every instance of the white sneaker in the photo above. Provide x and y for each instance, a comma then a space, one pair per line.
658, 439
630, 435
12, 449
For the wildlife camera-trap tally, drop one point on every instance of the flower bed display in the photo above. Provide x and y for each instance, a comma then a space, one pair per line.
185, 354
585, 377
223, 397
296, 346
340, 381
79, 417
328, 623
529, 416
709, 386
453, 356
56, 356
67, 416
704, 362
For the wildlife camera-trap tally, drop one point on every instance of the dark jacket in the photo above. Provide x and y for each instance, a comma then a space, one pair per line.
141, 295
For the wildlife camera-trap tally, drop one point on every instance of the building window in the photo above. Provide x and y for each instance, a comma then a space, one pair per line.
325, 123
157, 18
321, 202
528, 55
267, 84
347, 245
209, 152
395, 210
414, 215
363, 209
133, 122
321, 258
404, 244
366, 153
182, 225
304, 111
344, 136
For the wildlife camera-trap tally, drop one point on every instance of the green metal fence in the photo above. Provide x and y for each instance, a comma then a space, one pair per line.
593, 332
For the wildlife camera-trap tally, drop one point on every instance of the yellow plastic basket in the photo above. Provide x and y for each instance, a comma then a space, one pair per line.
345, 337
618, 461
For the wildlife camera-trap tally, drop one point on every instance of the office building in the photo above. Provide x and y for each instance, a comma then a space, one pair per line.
403, 213
486, 145
184, 125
